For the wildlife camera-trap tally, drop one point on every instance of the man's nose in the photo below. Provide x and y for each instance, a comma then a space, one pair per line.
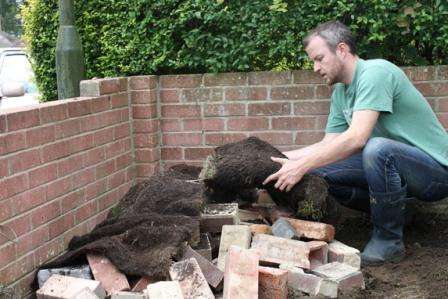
316, 67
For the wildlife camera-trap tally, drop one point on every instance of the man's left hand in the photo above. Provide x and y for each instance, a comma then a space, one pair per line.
289, 175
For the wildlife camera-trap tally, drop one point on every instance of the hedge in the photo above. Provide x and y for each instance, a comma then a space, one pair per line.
129, 37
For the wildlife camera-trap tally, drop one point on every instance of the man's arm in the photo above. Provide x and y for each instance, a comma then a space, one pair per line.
340, 147
299, 153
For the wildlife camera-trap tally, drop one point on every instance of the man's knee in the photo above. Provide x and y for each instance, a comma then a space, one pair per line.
377, 148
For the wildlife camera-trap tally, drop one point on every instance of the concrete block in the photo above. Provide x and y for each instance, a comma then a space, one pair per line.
338, 276
301, 281
313, 230
204, 246
318, 253
67, 287
214, 216
141, 284
339, 252
110, 277
282, 228
79, 272
128, 295
241, 274
191, 279
280, 250
164, 290
272, 283
238, 235
212, 274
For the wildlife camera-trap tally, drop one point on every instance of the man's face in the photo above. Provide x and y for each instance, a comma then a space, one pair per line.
326, 63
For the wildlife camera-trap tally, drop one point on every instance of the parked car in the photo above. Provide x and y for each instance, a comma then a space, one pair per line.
17, 86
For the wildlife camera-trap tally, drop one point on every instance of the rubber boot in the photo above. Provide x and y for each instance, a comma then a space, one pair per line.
388, 218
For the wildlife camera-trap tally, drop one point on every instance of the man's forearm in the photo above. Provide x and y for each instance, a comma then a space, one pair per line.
300, 153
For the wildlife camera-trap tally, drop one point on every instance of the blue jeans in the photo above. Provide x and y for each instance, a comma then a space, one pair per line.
385, 167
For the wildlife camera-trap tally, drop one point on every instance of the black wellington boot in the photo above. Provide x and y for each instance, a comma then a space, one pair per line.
388, 218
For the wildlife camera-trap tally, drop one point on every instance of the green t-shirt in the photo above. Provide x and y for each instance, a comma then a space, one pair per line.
405, 114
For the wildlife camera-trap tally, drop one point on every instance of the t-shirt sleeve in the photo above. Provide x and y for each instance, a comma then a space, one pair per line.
336, 122
375, 90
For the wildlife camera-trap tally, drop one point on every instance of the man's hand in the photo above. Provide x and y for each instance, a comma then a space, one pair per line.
289, 175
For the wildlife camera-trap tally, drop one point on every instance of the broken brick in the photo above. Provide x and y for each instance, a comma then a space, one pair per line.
67, 287
191, 279
313, 230
299, 280
204, 247
272, 283
212, 274
164, 290
110, 277
318, 253
241, 274
141, 284
339, 252
238, 235
215, 216
278, 250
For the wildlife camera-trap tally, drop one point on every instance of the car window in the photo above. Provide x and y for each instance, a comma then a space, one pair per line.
17, 68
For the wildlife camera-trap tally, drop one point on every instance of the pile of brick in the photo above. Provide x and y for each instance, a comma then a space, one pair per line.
240, 256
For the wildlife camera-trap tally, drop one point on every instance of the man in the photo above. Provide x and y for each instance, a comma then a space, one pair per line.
383, 142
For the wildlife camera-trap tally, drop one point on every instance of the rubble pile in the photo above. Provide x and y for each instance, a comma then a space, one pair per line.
256, 252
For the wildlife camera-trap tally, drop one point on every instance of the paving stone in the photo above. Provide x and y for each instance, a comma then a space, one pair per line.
278, 250
238, 235
339, 252
318, 253
164, 290
214, 216
67, 287
191, 279
301, 281
241, 274
272, 283
79, 272
313, 230
141, 284
212, 274
282, 228
110, 277
204, 246
128, 295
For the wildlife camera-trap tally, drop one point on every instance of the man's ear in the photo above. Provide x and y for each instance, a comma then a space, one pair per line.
342, 50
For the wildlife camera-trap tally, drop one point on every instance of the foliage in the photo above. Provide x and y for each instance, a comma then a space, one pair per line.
9, 17
128, 37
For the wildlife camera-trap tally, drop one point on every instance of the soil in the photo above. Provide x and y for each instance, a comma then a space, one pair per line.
422, 274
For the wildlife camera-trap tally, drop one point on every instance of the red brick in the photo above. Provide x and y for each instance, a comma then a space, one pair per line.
118, 147
247, 124
270, 78
269, 109
24, 161
85, 211
79, 107
103, 136
100, 104
202, 95
293, 123
275, 138
293, 92
68, 128
55, 151
191, 279
147, 170
19, 225
95, 189
80, 143
45, 213
141, 284
13, 142
32, 240
121, 131
149, 155
7, 254
6, 209
170, 96
433, 89
142, 82
207, 124
323, 92
113, 117
48, 251
246, 94
16, 184
260, 229
2, 123
143, 97
93, 156
116, 180
304, 76
272, 283
318, 253
442, 72
69, 165
225, 110
146, 126
313, 230
108, 200
180, 81
321, 121
225, 79
104, 169
182, 139
53, 113
309, 137
197, 153
241, 274
40, 136
146, 140
17, 269
91, 122
23, 119
43, 175
29, 199
82, 178
181, 111
72, 200
123, 161
443, 118
58, 188
144, 111
61, 225
422, 73
223, 138
171, 153
171, 125
109, 85
119, 100
312, 108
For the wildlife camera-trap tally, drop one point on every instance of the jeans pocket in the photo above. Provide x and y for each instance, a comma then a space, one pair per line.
435, 191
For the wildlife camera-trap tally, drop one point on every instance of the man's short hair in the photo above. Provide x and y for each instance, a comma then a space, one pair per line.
334, 33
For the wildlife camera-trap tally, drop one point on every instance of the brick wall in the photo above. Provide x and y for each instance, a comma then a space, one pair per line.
64, 164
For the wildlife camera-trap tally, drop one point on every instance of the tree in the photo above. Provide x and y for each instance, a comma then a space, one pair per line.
9, 20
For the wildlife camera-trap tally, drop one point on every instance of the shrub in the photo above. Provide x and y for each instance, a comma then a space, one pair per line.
128, 37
